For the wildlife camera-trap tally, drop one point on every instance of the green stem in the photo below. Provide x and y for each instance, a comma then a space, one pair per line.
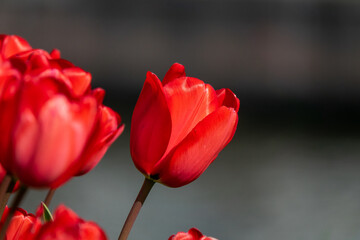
139, 202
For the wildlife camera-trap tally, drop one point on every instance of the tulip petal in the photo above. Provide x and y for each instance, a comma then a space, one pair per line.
53, 141
68, 225
40, 89
176, 71
98, 94
9, 96
20, 225
190, 100
55, 54
227, 98
38, 60
192, 234
79, 78
195, 233
107, 130
196, 152
151, 125
11, 44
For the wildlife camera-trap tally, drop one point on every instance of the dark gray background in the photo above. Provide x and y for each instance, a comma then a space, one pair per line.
292, 169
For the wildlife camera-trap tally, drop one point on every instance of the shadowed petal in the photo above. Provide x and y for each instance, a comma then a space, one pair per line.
9, 97
151, 125
227, 98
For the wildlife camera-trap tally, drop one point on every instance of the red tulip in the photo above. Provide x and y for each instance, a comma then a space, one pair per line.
179, 126
192, 234
53, 126
68, 226
23, 225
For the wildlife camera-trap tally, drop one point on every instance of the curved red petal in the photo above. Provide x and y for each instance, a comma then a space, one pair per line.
38, 60
176, 71
150, 125
190, 100
192, 234
11, 45
91, 231
10, 83
195, 233
37, 90
108, 129
99, 94
59, 133
227, 98
79, 79
55, 54
68, 225
197, 151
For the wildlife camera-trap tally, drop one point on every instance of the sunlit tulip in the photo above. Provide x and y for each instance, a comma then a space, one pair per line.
179, 126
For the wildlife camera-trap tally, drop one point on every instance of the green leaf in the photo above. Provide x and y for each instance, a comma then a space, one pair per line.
46, 214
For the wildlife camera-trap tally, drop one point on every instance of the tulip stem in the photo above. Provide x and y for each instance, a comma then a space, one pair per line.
49, 196
14, 205
139, 202
4, 196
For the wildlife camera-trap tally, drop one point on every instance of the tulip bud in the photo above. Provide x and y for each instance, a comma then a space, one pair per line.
179, 126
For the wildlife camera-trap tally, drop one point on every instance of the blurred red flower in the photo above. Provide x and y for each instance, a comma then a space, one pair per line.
23, 225
179, 126
68, 226
192, 234
53, 125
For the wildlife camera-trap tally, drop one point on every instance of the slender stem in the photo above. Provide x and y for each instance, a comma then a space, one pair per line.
49, 196
14, 205
140, 199
7, 194
4, 186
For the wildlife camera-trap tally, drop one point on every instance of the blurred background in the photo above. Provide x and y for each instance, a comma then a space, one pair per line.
292, 169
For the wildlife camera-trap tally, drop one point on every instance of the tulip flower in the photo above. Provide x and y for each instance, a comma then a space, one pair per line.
179, 126
23, 225
53, 125
67, 225
192, 234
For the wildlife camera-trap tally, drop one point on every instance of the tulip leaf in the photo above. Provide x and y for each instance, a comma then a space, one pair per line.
46, 214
